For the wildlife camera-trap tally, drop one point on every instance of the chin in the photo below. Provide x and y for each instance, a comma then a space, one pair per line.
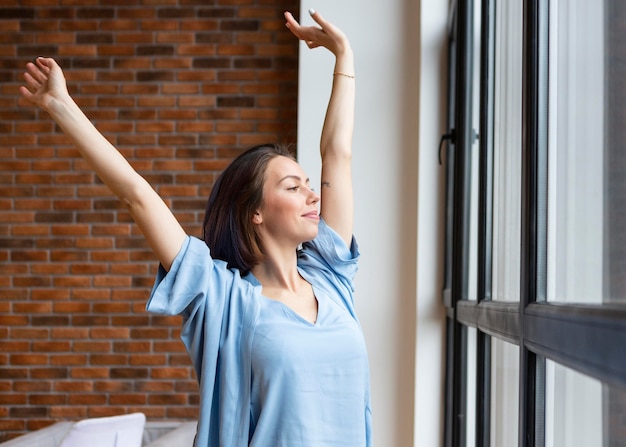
311, 235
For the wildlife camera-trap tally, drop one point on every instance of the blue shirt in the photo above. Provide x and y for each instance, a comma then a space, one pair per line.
268, 377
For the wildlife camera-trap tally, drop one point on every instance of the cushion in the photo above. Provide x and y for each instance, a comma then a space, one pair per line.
184, 435
49, 436
115, 431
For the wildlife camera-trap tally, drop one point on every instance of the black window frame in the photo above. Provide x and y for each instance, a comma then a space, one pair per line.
590, 339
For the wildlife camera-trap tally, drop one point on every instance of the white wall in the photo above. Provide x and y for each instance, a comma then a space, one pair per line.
430, 328
398, 195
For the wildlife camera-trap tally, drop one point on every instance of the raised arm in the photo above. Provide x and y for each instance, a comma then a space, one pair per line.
46, 87
337, 202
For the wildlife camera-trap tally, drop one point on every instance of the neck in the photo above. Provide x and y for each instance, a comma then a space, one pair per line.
278, 271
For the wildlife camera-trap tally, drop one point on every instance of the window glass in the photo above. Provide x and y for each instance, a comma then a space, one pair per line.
575, 197
587, 163
581, 411
474, 156
470, 411
504, 393
507, 141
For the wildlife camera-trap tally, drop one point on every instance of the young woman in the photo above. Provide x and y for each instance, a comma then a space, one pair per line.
267, 297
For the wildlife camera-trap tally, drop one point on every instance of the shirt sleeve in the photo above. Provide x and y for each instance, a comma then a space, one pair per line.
217, 306
327, 257
200, 289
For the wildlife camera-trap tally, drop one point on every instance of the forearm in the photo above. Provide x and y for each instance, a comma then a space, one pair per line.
154, 218
106, 161
339, 121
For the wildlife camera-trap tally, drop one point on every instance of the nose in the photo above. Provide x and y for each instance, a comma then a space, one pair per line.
313, 196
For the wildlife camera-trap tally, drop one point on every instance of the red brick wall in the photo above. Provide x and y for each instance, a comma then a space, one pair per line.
180, 87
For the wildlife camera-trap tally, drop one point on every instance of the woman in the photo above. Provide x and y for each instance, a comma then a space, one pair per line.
267, 298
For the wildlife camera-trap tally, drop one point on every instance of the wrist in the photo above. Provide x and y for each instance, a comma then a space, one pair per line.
57, 106
344, 51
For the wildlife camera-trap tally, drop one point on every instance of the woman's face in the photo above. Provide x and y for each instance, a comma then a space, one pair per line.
289, 213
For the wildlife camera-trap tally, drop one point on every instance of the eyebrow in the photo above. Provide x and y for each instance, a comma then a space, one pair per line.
295, 177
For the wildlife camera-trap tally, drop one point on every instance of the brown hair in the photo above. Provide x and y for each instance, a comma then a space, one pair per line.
237, 194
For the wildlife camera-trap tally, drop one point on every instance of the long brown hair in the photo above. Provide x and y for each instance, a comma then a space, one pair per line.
237, 194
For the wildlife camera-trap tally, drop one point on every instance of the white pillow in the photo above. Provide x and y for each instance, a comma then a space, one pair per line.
115, 431
49, 436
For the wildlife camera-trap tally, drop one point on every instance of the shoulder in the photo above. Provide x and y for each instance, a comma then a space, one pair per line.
331, 246
195, 279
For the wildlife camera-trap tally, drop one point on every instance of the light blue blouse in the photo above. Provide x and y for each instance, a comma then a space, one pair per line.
269, 378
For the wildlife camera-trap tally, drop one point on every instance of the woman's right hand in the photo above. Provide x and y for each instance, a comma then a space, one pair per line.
44, 82
325, 35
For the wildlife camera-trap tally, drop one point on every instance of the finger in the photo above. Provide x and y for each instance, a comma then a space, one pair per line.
43, 64
289, 17
318, 18
36, 73
31, 83
26, 93
292, 23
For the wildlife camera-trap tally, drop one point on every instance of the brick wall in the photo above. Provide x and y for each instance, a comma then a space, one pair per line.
180, 87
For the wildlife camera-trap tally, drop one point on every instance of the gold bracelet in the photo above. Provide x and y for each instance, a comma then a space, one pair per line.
343, 74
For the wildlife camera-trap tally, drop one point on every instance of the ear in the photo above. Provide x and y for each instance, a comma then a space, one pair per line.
257, 219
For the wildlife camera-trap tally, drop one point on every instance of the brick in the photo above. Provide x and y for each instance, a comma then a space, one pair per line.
25, 333
13, 399
37, 424
28, 412
167, 399
239, 25
29, 359
110, 333
68, 360
129, 373
132, 320
108, 359
71, 413
71, 307
170, 373
87, 399
92, 346
188, 413
90, 294
90, 320
128, 399
70, 333
187, 386
50, 320
13, 373
74, 386
50, 346
148, 359
28, 386
49, 373
114, 387
47, 399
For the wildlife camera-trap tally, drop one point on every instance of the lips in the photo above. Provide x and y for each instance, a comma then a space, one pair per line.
312, 215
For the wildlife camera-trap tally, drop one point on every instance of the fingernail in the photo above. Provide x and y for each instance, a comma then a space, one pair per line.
311, 11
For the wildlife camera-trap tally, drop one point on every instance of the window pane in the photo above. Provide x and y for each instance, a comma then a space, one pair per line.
581, 411
504, 393
474, 157
507, 140
470, 411
587, 161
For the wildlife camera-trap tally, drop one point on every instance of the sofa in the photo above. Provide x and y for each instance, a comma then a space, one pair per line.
130, 430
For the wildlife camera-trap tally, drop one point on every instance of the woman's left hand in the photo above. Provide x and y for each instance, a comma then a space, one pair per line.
326, 35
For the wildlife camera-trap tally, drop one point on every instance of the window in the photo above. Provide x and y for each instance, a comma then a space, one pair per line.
535, 278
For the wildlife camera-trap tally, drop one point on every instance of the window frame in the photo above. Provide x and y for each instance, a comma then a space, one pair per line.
587, 338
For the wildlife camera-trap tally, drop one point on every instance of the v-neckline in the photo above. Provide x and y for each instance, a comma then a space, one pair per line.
294, 313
